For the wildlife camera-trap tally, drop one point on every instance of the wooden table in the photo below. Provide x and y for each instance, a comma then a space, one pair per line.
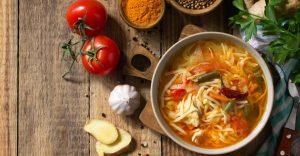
42, 114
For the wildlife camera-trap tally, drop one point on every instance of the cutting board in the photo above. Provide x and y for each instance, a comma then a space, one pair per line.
147, 115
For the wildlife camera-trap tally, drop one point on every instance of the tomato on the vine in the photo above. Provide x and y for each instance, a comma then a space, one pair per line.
86, 16
100, 55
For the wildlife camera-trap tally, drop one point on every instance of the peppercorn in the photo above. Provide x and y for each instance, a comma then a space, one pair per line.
195, 4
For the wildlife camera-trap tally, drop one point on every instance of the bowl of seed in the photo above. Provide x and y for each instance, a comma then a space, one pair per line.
195, 7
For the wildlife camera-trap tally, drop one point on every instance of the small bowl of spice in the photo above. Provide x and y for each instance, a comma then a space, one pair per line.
195, 7
142, 14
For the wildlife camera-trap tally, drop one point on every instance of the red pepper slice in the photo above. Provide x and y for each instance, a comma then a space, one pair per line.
233, 93
178, 94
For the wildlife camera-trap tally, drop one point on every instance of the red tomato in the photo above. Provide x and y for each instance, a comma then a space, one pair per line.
178, 94
89, 14
102, 57
240, 125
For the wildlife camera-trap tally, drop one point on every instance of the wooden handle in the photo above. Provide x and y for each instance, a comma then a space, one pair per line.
295, 150
148, 119
129, 68
287, 137
190, 29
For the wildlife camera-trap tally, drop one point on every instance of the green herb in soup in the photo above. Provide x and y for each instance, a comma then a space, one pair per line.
213, 94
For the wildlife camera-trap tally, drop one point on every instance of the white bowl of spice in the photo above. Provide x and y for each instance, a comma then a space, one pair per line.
142, 14
195, 7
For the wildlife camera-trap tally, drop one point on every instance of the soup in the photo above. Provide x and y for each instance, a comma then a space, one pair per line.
212, 94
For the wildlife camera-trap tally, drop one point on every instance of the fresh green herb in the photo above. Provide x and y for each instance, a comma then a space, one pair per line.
244, 19
246, 23
239, 4
296, 75
287, 30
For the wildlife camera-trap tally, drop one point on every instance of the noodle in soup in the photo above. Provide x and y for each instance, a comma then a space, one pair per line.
213, 93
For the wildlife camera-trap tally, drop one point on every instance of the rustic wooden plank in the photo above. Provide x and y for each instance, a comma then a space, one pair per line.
8, 78
52, 111
171, 28
100, 87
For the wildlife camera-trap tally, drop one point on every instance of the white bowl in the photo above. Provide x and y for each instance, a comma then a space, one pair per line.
173, 51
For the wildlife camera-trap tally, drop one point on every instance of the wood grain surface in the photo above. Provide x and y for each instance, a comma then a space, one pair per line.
8, 77
52, 111
100, 87
41, 114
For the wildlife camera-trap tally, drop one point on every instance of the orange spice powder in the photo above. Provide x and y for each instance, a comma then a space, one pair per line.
142, 12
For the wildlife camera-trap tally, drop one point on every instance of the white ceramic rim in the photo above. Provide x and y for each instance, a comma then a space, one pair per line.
172, 51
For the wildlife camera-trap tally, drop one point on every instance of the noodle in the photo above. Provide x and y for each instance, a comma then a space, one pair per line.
166, 88
192, 99
178, 129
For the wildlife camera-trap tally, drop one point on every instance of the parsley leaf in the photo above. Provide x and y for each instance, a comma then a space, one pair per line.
270, 13
246, 23
296, 75
276, 2
239, 4
286, 29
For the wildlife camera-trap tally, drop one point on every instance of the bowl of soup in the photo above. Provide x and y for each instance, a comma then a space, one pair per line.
212, 93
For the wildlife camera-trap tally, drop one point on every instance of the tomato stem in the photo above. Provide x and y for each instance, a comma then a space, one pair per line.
92, 54
70, 68
68, 50
80, 26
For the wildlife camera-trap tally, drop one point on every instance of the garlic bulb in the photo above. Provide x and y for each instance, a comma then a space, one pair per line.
124, 99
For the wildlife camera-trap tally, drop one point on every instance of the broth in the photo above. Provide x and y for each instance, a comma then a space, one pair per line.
212, 94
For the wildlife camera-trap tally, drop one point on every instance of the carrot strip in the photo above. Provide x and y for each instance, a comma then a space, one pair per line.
194, 92
203, 68
252, 87
219, 97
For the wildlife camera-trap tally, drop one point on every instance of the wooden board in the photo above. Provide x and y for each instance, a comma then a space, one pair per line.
8, 77
52, 111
